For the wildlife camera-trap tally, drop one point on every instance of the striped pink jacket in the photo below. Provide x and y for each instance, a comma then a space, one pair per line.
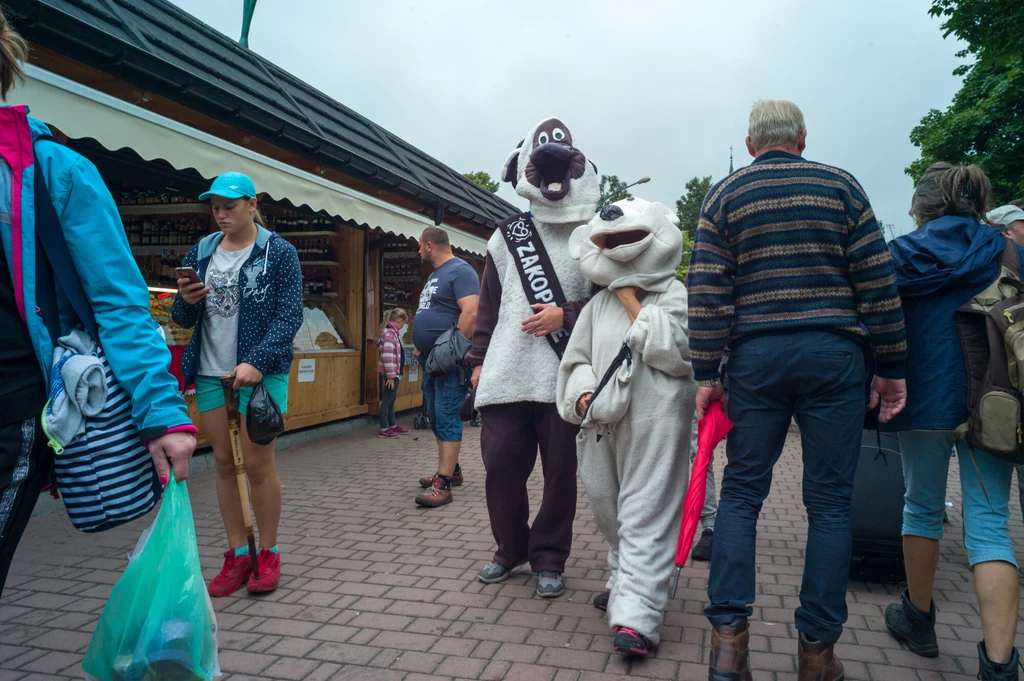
390, 347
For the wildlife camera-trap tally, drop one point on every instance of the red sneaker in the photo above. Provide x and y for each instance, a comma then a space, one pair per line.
234, 574
270, 573
400, 430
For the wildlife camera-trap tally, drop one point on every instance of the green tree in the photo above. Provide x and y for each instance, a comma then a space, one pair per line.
985, 122
689, 204
992, 29
484, 180
684, 262
613, 189
983, 125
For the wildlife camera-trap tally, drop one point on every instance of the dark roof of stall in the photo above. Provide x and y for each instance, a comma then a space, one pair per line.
156, 45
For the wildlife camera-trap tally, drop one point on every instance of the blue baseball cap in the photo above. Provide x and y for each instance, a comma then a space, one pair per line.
231, 186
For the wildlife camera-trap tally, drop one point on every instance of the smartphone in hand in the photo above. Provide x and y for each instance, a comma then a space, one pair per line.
188, 273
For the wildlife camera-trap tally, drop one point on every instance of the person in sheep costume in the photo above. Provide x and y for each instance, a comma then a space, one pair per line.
530, 295
626, 377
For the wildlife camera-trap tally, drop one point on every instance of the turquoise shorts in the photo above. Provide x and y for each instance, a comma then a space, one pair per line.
210, 393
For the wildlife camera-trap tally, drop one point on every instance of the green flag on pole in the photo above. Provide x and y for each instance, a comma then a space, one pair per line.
248, 7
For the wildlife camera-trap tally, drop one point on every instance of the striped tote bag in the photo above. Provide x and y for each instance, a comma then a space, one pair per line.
106, 476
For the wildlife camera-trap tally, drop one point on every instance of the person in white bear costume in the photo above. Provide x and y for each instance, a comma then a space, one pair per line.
530, 295
633, 445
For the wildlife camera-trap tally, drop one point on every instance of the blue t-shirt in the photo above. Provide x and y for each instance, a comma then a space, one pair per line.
439, 302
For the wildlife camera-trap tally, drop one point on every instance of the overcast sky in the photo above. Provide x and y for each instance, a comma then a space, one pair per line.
647, 87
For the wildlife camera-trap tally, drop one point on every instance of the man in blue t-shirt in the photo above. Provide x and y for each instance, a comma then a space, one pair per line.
449, 297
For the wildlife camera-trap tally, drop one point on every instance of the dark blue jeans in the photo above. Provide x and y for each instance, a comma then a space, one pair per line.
819, 377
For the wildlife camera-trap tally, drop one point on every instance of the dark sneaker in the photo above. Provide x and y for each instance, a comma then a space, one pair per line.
400, 430
270, 573
550, 584
426, 482
915, 628
702, 551
477, 421
630, 642
990, 671
436, 495
493, 572
232, 576
387, 433
601, 600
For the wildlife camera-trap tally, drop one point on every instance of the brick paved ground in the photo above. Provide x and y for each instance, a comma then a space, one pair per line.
374, 588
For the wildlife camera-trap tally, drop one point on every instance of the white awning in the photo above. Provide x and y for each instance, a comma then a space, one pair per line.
80, 111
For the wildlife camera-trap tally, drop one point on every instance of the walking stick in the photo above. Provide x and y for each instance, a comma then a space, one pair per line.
243, 484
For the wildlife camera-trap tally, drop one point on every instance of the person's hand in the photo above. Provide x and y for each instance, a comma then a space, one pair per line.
548, 319
247, 376
626, 293
705, 396
474, 380
583, 402
192, 293
390, 383
415, 353
172, 449
891, 393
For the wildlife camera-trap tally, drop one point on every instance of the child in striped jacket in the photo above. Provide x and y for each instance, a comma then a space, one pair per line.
390, 367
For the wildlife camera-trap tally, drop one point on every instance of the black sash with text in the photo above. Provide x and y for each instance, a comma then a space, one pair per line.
535, 269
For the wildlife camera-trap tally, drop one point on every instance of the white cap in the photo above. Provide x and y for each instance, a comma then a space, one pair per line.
1004, 215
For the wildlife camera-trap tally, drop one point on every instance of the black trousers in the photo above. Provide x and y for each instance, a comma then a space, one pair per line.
509, 440
24, 467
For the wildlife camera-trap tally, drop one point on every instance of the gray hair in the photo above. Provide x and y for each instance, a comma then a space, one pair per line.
774, 122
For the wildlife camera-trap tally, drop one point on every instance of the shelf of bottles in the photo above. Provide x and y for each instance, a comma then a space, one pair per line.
400, 279
315, 238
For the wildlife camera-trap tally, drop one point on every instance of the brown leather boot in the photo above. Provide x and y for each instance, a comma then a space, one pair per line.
817, 662
729, 652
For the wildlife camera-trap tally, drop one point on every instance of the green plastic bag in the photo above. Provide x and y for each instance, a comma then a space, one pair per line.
159, 622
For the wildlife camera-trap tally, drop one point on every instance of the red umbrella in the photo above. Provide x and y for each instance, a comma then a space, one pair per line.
710, 430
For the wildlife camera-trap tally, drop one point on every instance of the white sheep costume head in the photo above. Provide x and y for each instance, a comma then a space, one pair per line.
630, 243
559, 181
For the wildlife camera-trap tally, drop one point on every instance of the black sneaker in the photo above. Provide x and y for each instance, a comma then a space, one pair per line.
990, 671
702, 551
631, 642
601, 600
915, 628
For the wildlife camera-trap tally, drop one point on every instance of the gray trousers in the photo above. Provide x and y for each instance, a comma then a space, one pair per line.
710, 510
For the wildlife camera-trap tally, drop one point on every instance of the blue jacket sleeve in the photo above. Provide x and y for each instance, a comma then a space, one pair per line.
183, 314
287, 313
131, 340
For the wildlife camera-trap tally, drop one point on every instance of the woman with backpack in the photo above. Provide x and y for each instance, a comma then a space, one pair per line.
949, 259
391, 367
114, 290
246, 310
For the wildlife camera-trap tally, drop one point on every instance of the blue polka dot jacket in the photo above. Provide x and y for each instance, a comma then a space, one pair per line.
270, 311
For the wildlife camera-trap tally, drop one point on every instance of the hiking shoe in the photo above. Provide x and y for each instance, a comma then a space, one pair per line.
494, 572
436, 495
270, 573
232, 577
387, 433
630, 642
601, 600
400, 430
550, 584
426, 482
915, 628
990, 671
702, 551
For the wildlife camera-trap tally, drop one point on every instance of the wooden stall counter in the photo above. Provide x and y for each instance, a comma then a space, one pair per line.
322, 387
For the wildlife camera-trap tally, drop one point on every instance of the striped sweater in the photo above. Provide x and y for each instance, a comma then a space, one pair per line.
392, 355
786, 245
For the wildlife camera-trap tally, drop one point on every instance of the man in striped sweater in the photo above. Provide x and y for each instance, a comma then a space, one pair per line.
790, 270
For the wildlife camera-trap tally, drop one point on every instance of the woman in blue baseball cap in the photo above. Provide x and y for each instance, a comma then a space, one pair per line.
246, 310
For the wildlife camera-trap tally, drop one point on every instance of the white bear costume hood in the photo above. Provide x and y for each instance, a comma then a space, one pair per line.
630, 243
